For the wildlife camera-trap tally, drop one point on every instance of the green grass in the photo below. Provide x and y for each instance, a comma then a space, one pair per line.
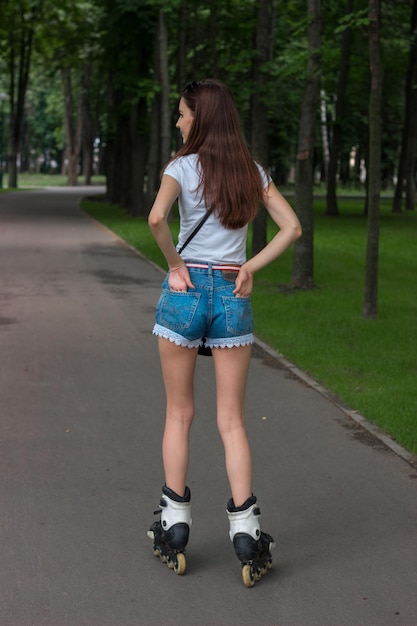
369, 364
32, 181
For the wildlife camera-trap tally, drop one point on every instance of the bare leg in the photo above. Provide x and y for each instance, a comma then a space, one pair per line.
231, 367
178, 365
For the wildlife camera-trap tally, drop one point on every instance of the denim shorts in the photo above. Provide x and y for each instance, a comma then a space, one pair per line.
210, 310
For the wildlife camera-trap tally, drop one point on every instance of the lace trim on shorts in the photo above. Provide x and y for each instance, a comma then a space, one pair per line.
230, 342
166, 333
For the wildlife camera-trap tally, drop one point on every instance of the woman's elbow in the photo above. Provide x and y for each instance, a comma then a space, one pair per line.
297, 231
154, 220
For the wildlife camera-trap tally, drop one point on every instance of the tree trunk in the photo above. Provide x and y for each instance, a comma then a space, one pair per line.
165, 151
87, 124
374, 168
324, 136
406, 163
410, 170
137, 159
259, 108
302, 271
153, 162
136, 182
182, 46
123, 166
73, 130
25, 160
21, 32
160, 119
12, 154
110, 171
336, 140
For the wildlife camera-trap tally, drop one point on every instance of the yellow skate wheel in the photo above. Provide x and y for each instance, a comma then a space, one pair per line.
248, 575
157, 552
180, 564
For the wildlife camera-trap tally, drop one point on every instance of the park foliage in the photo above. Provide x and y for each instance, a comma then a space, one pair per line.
327, 96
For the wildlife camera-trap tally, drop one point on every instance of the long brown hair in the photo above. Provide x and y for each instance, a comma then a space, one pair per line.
230, 179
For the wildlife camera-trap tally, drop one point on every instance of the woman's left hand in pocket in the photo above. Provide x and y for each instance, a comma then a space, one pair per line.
244, 283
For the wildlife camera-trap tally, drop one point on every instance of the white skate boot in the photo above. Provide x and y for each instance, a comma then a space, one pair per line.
170, 534
252, 546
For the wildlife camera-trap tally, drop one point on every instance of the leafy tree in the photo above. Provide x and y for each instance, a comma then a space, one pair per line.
265, 13
160, 111
374, 184
346, 39
406, 166
124, 63
68, 43
302, 272
43, 123
17, 31
129, 28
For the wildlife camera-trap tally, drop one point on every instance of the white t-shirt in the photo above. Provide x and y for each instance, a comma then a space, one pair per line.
213, 243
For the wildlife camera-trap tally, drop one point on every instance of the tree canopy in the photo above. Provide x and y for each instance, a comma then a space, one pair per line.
93, 86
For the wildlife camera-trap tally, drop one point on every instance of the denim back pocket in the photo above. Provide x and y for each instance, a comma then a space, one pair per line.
176, 309
239, 315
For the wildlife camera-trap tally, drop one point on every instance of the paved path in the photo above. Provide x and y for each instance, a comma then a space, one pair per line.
81, 418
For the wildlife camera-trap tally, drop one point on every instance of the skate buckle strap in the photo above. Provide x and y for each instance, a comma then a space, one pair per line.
162, 504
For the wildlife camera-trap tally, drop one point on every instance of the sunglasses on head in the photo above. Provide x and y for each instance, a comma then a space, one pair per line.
191, 87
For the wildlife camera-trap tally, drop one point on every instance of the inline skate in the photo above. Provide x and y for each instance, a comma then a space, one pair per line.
170, 534
252, 546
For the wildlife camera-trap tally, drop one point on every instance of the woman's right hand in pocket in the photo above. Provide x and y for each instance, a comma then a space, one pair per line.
179, 279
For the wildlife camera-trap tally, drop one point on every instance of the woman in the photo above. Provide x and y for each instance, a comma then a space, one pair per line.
206, 294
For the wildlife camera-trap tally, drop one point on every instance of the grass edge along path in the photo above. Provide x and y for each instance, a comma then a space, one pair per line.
371, 365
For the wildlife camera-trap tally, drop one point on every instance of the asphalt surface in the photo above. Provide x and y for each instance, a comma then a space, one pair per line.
81, 418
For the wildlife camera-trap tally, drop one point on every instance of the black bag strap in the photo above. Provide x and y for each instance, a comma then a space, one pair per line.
195, 231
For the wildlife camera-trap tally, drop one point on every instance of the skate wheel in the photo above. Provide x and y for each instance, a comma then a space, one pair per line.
179, 564
157, 552
248, 576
